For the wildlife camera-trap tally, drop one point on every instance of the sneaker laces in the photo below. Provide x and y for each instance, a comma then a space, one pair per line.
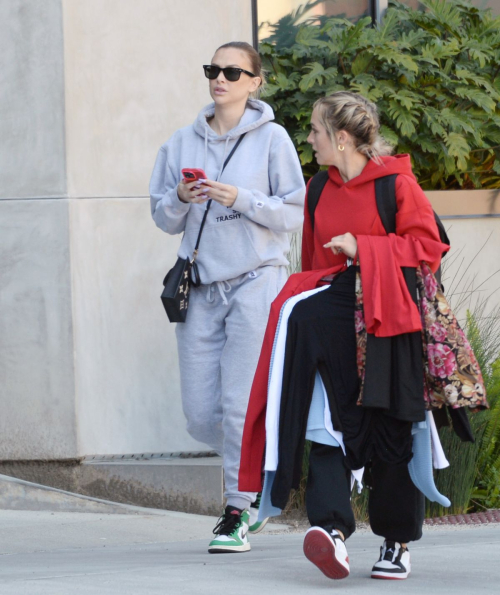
228, 522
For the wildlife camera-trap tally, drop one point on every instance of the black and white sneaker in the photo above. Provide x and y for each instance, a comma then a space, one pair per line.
394, 562
327, 551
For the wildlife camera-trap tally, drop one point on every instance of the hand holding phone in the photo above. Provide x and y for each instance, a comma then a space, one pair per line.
188, 190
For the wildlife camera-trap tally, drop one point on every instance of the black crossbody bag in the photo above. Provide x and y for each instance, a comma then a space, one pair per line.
184, 274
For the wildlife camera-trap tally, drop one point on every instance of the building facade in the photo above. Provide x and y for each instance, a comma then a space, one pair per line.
90, 90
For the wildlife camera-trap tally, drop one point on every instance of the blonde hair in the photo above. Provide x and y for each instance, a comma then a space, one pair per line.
357, 116
255, 61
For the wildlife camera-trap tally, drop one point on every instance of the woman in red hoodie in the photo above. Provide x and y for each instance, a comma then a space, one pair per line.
349, 241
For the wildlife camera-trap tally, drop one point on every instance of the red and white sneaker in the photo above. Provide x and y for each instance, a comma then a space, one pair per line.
394, 562
327, 551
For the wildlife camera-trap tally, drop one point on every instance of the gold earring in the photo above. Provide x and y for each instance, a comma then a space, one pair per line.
341, 147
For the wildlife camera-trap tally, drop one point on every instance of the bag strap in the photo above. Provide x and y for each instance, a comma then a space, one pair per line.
316, 185
195, 253
385, 195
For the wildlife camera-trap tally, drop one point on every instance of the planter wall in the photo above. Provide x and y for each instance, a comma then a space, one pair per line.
472, 220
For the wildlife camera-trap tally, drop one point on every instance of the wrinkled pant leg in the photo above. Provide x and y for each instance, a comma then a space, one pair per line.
395, 506
200, 342
328, 492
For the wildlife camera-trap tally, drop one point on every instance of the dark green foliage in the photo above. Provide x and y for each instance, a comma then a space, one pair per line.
434, 75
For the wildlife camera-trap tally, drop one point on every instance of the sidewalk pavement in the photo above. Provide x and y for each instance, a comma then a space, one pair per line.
61, 553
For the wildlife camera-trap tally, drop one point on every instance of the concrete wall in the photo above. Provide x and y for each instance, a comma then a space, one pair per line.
90, 90
36, 327
32, 156
471, 270
36, 331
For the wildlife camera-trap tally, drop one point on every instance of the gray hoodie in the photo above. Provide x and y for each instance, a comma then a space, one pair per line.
266, 170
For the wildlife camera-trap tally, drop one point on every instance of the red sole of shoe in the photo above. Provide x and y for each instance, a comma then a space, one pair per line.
319, 549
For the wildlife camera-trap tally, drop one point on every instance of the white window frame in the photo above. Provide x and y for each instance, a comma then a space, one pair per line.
380, 9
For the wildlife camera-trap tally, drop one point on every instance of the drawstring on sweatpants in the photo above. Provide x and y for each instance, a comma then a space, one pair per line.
223, 287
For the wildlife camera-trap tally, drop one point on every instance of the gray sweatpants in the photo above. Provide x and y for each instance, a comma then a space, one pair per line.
219, 346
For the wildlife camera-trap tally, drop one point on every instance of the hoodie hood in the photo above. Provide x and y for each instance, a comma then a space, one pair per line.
256, 114
397, 164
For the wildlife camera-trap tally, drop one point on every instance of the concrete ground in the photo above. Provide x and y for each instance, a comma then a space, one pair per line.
66, 553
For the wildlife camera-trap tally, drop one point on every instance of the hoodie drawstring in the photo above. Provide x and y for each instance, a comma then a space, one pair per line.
223, 156
206, 151
223, 287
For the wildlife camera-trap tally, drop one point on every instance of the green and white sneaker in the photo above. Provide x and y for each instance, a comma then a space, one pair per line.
231, 532
255, 525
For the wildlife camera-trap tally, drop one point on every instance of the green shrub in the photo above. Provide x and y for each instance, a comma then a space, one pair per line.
472, 482
434, 74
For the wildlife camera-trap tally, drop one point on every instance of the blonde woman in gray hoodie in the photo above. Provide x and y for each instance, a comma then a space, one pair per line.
256, 202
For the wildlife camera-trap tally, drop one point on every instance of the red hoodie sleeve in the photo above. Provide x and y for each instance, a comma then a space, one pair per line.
307, 237
389, 309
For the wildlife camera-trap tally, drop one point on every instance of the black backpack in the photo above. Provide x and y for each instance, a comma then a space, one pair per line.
385, 195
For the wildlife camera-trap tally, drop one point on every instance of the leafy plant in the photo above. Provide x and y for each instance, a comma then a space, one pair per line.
472, 482
434, 75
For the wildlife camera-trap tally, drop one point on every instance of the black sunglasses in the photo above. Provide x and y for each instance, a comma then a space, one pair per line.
231, 73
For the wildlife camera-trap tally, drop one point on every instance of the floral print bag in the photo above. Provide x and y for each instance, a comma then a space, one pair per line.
452, 373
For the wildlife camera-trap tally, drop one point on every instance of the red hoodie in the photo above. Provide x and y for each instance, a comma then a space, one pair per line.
388, 307
351, 207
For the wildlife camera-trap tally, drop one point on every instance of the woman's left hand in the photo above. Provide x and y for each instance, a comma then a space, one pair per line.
345, 243
224, 194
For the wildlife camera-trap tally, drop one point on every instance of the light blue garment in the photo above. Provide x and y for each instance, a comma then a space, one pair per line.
266, 509
316, 431
420, 467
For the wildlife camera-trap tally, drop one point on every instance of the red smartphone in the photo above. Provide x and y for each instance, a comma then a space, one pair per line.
191, 174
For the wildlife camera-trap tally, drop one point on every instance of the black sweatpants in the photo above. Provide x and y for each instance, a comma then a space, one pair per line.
395, 505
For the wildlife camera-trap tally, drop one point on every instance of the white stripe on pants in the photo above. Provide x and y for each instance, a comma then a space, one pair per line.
219, 346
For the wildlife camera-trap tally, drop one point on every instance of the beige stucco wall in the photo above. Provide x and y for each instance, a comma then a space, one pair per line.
133, 75
471, 269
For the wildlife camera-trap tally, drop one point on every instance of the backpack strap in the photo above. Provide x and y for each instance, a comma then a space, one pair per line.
443, 236
314, 191
385, 195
